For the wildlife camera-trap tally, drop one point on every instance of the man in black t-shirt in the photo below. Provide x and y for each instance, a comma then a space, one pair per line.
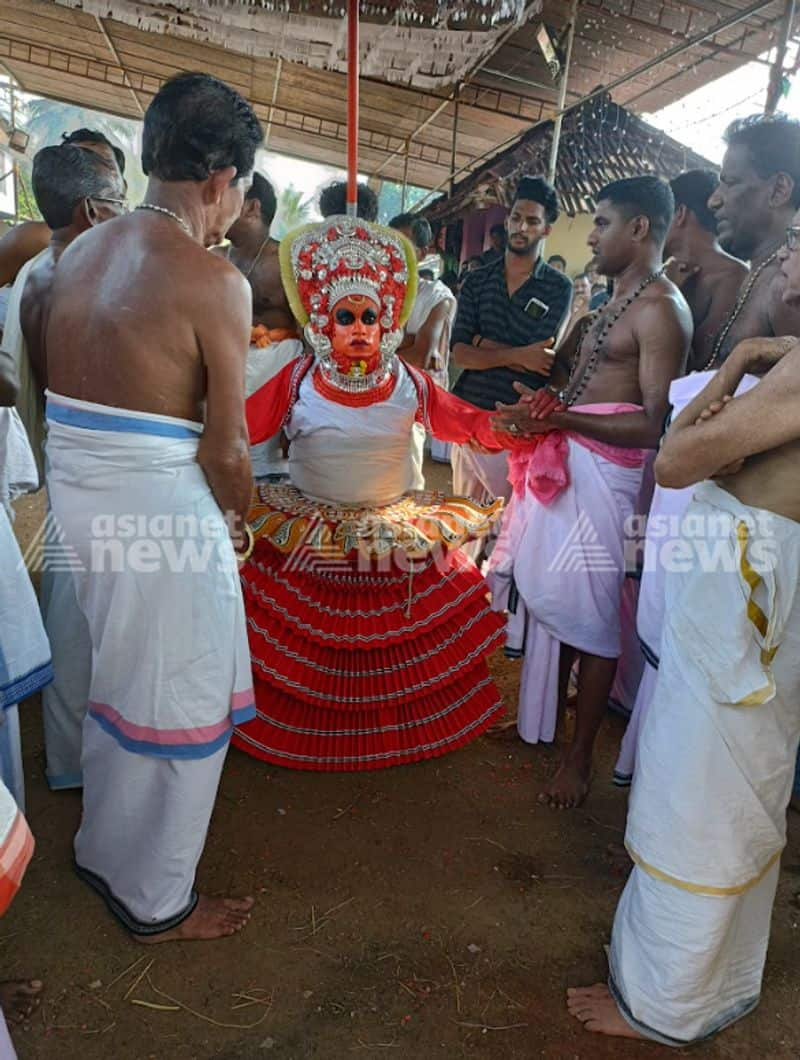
509, 314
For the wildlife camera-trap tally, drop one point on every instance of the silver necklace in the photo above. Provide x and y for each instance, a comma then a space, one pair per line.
255, 260
167, 213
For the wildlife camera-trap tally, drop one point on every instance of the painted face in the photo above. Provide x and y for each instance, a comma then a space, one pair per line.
355, 334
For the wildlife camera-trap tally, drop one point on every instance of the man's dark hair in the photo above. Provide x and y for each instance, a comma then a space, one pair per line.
646, 196
333, 201
580, 276
557, 257
196, 124
537, 189
427, 274
63, 175
498, 230
773, 143
421, 231
94, 136
693, 189
262, 190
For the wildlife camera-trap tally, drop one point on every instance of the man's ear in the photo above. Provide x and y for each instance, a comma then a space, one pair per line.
84, 215
216, 183
640, 227
782, 190
681, 215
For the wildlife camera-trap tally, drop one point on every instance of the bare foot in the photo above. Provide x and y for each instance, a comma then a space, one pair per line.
212, 918
19, 998
597, 1010
569, 787
503, 730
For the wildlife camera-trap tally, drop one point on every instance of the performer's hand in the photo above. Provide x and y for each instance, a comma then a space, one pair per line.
517, 420
541, 403
537, 357
680, 272
758, 355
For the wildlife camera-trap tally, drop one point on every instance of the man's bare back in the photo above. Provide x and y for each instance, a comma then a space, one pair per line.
270, 306
157, 299
33, 311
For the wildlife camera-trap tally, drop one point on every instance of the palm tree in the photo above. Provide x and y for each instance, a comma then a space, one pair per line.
46, 119
293, 211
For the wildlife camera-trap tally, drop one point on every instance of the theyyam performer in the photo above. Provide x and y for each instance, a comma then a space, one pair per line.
369, 629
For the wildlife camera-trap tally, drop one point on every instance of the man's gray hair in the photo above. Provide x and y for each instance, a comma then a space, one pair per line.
64, 175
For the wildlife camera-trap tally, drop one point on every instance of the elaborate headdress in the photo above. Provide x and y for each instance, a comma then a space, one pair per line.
340, 256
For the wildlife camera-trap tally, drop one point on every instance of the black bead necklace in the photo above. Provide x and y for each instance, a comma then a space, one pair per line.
609, 319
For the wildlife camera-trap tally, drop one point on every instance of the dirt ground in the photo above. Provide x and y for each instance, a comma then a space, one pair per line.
421, 912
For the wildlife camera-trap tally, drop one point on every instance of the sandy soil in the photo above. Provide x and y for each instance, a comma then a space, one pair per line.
415, 913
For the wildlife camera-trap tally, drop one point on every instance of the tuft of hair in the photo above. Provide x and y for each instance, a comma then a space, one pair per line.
94, 136
421, 231
693, 189
64, 175
333, 201
197, 124
773, 143
262, 190
647, 196
537, 189
557, 257
580, 276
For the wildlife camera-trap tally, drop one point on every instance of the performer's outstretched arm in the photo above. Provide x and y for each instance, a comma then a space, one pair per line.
452, 420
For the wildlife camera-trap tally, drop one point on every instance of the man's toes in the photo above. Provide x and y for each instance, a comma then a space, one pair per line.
240, 905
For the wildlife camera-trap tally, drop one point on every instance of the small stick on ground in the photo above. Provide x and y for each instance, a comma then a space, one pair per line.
122, 974
486, 1027
138, 979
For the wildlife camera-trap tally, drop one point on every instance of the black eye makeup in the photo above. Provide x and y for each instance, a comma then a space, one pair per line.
369, 316
344, 317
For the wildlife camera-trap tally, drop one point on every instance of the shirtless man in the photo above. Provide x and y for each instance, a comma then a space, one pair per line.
274, 340
757, 195
427, 340
255, 254
146, 416
333, 201
692, 926
75, 189
708, 277
620, 361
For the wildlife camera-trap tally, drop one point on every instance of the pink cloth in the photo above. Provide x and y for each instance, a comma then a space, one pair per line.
542, 465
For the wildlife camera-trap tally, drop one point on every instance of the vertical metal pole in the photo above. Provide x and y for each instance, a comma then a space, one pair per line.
405, 178
455, 140
776, 73
352, 107
562, 94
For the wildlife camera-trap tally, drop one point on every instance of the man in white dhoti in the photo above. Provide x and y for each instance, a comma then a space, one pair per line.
758, 191
427, 341
148, 457
559, 564
274, 340
75, 188
25, 665
707, 813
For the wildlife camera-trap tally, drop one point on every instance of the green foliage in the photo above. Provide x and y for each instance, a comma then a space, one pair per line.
293, 211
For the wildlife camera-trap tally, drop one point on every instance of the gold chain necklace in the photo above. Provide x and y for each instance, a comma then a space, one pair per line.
741, 302
254, 262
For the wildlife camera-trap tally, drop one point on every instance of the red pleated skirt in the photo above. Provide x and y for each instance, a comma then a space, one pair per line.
366, 668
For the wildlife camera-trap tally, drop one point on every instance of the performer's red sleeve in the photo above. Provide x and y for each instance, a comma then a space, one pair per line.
452, 420
266, 407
